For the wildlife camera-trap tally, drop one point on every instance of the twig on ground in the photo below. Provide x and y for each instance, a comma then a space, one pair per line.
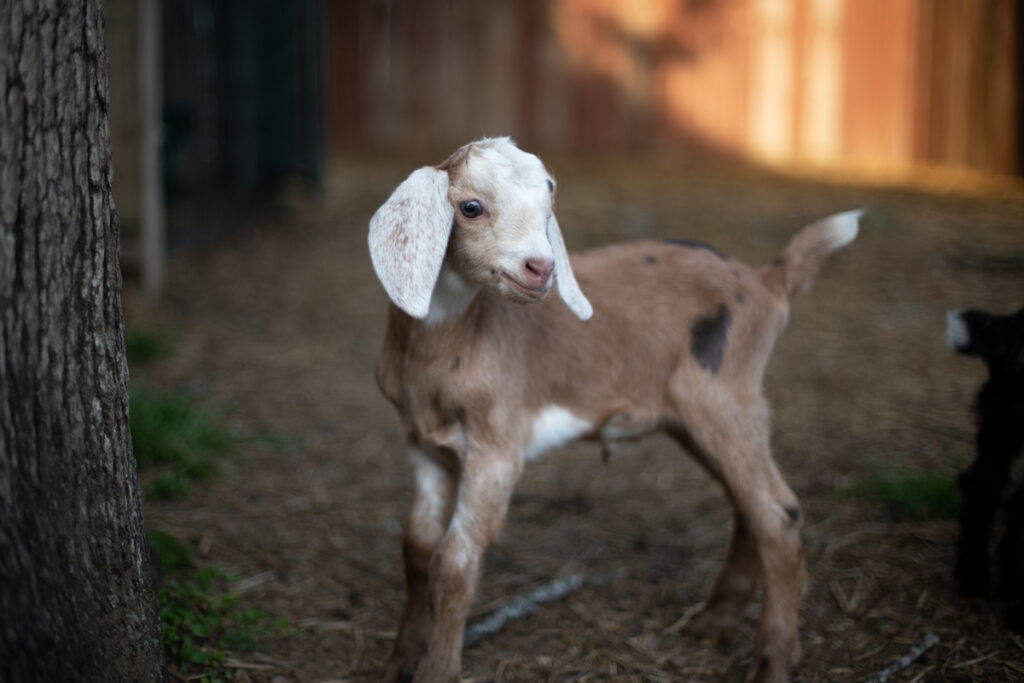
683, 621
920, 677
349, 626
972, 662
1015, 667
522, 607
930, 640
247, 584
845, 603
232, 663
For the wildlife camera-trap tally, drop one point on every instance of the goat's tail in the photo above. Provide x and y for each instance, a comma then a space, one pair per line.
794, 269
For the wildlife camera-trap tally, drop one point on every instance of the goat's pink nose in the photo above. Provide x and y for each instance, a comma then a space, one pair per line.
538, 271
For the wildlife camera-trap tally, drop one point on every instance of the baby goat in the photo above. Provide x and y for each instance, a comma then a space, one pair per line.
670, 336
999, 341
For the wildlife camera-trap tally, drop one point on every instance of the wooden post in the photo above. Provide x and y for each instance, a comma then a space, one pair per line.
151, 176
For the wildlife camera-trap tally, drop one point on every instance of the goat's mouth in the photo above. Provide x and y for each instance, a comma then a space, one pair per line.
531, 293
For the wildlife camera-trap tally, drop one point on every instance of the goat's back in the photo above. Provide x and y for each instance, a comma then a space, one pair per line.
659, 309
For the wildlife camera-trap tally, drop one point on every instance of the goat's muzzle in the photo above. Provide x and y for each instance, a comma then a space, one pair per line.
532, 283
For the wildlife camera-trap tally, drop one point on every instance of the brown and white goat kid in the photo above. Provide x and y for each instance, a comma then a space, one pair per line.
670, 336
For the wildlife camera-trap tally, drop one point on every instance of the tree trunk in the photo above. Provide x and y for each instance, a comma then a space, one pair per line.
76, 594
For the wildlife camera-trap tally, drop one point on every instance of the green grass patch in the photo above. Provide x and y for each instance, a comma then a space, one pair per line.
175, 555
176, 440
144, 345
202, 621
910, 494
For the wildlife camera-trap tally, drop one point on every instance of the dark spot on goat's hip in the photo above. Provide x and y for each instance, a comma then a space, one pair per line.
650, 259
708, 337
691, 244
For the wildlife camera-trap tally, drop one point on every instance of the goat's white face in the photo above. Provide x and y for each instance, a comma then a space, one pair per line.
488, 209
503, 203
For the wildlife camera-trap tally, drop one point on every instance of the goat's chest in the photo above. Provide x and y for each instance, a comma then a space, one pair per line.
446, 396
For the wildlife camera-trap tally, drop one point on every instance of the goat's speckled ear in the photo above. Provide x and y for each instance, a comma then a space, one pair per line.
568, 289
409, 237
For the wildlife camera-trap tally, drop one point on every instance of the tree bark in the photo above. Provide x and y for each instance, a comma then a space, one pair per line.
76, 592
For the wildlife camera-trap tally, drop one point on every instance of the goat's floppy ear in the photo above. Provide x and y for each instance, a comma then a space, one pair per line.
568, 289
409, 237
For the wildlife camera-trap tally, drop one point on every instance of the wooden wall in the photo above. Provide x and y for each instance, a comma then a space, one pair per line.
867, 83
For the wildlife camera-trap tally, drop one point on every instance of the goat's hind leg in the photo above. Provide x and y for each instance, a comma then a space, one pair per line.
736, 585
981, 487
428, 519
1011, 561
732, 440
734, 588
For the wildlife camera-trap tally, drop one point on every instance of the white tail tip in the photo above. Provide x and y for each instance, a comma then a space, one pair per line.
957, 335
844, 227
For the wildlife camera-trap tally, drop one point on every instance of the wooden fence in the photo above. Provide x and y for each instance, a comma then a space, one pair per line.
868, 83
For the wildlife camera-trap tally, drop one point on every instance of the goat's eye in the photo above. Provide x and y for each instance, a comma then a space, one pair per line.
551, 186
471, 209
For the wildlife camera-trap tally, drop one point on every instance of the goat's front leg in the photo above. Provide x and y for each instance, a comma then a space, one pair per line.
485, 488
428, 519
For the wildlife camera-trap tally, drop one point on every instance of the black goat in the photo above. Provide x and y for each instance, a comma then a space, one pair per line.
999, 341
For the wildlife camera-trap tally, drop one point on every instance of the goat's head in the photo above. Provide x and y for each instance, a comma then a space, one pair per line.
488, 211
995, 338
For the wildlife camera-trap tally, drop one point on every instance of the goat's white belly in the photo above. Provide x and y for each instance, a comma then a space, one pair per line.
552, 427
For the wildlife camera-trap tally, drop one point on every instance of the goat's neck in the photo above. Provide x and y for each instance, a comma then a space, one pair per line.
452, 297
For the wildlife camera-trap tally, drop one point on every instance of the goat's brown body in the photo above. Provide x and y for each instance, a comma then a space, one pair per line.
621, 371
468, 390
653, 336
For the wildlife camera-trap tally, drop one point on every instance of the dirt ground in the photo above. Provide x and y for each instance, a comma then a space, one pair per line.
281, 323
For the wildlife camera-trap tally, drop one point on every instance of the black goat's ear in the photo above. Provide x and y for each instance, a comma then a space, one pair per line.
991, 337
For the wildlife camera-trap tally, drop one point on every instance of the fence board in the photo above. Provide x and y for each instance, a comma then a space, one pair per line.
876, 83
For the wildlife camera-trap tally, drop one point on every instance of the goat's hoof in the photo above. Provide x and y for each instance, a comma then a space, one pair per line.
768, 670
398, 672
714, 627
430, 672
